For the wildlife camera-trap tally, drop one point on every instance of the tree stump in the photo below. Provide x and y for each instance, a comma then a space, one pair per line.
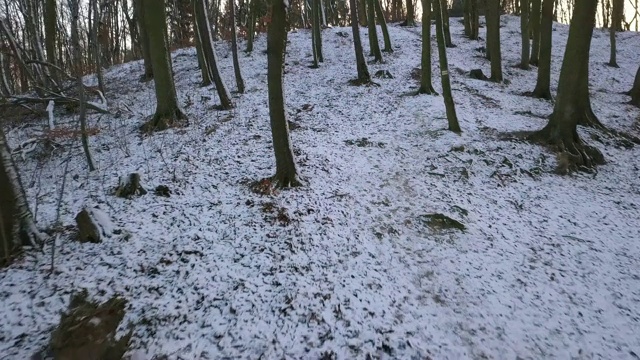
129, 186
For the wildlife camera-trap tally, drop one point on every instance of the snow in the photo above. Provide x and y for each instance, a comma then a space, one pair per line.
547, 266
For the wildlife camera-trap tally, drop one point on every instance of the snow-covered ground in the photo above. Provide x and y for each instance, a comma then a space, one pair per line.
346, 266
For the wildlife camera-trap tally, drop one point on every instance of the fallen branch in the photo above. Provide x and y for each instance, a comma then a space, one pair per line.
20, 100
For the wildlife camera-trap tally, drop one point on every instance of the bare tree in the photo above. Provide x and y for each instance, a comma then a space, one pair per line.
426, 85
543, 83
493, 36
524, 32
234, 47
361, 64
373, 32
452, 118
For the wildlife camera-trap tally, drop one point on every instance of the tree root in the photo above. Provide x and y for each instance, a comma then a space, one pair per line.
572, 154
429, 91
363, 82
160, 122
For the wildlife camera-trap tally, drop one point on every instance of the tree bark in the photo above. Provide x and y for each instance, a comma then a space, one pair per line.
561, 130
543, 84
144, 40
373, 31
361, 64
635, 90
50, 22
167, 110
383, 25
445, 25
234, 48
524, 31
452, 118
616, 19
474, 18
17, 227
206, 41
534, 28
251, 26
426, 84
493, 35
286, 172
411, 18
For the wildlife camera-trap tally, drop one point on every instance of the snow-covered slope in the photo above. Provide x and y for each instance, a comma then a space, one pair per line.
548, 266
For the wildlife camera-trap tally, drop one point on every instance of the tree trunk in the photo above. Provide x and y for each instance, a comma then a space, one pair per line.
445, 25
77, 56
524, 31
251, 27
316, 31
426, 84
383, 25
362, 12
50, 22
203, 26
144, 40
635, 90
5, 75
234, 47
204, 70
616, 19
534, 28
561, 130
411, 18
167, 110
363, 71
286, 172
466, 17
373, 31
493, 35
16, 222
543, 84
96, 45
452, 118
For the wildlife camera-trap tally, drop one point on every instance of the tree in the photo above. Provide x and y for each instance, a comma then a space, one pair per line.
524, 31
493, 36
50, 22
616, 18
445, 25
17, 227
140, 11
543, 84
561, 130
411, 18
286, 172
635, 90
209, 53
426, 85
534, 28
168, 113
383, 25
452, 118
361, 64
316, 33
251, 24
234, 47
373, 32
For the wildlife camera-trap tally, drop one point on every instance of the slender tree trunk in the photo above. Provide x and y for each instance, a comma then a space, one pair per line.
426, 84
445, 24
202, 64
466, 18
452, 118
617, 14
144, 40
5, 75
543, 84
363, 71
534, 28
493, 35
167, 110
362, 12
74, 6
17, 227
251, 27
383, 26
203, 26
475, 20
317, 29
561, 130
286, 172
373, 31
96, 45
524, 31
635, 90
50, 22
234, 47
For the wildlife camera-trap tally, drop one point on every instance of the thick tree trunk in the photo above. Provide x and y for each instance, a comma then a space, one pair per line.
204, 70
361, 64
5, 75
426, 84
50, 22
16, 222
203, 26
383, 25
234, 47
524, 31
475, 20
493, 36
411, 18
561, 131
373, 31
362, 12
167, 110
635, 90
286, 172
543, 84
466, 17
316, 31
144, 40
534, 28
452, 118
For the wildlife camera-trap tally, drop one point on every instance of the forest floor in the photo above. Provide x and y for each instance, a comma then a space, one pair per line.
350, 265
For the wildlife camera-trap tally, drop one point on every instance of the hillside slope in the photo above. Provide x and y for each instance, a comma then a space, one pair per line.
348, 264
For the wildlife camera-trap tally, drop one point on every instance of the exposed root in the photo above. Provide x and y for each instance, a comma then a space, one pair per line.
573, 154
284, 181
160, 122
363, 82
427, 91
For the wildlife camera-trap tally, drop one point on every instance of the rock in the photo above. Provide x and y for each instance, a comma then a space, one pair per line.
93, 225
441, 222
162, 190
129, 186
477, 74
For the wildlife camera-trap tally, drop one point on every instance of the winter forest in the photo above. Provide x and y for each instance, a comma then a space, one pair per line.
319, 179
